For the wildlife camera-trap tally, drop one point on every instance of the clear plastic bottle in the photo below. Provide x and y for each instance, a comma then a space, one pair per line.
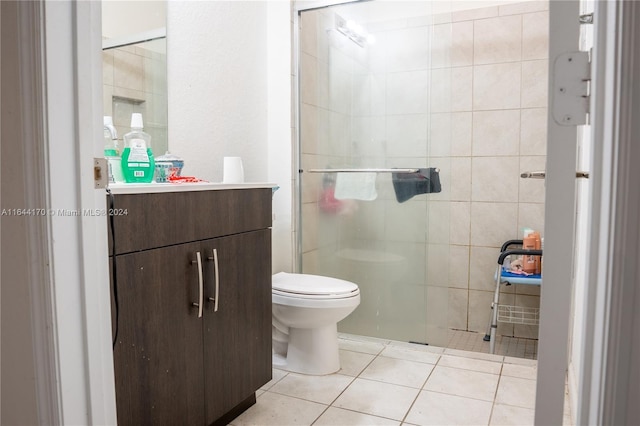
111, 151
138, 165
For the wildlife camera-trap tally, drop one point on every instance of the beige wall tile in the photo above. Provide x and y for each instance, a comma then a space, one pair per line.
107, 100
497, 40
482, 267
461, 134
309, 129
496, 86
127, 70
535, 35
399, 215
308, 79
310, 227
494, 179
439, 222
407, 135
532, 190
407, 92
458, 303
460, 223
493, 223
460, 186
440, 87
480, 311
526, 331
531, 215
469, 14
533, 131
461, 88
107, 67
534, 83
309, 32
524, 7
407, 49
437, 265
340, 91
440, 134
462, 44
496, 133
441, 46
459, 267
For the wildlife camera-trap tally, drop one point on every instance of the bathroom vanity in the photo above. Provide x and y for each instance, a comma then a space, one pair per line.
191, 300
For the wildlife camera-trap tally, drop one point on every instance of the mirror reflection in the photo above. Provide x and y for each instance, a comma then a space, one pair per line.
134, 69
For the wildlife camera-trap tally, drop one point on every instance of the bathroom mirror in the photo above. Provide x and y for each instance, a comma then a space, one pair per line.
134, 67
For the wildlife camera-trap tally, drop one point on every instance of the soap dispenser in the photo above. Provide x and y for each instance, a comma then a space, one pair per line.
138, 165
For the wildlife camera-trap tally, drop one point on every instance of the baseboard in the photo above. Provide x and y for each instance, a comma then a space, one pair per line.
572, 380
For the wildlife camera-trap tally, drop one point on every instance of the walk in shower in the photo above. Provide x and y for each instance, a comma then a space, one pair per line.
441, 92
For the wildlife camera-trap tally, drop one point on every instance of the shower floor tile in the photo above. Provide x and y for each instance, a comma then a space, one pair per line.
517, 347
385, 382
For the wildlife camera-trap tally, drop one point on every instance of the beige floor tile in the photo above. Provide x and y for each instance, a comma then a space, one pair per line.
522, 371
352, 363
373, 348
277, 410
410, 354
322, 389
432, 408
340, 417
470, 364
517, 392
377, 398
277, 376
520, 361
416, 347
398, 371
506, 415
466, 383
474, 355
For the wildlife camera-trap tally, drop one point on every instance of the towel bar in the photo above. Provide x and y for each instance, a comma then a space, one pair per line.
365, 170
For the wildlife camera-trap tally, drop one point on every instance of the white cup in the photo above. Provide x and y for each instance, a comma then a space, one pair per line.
233, 170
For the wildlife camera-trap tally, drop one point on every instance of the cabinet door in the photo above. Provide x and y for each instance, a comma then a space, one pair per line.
237, 338
158, 356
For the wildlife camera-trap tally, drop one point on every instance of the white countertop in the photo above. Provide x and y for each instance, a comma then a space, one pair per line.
149, 188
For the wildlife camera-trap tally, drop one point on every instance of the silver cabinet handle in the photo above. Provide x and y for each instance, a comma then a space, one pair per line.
200, 303
215, 298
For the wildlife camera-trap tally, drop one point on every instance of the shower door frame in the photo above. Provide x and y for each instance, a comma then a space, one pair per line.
299, 7
547, 388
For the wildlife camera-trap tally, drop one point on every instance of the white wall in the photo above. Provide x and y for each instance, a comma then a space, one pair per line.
129, 17
280, 128
217, 86
226, 99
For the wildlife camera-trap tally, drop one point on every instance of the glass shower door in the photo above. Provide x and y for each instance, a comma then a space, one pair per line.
367, 118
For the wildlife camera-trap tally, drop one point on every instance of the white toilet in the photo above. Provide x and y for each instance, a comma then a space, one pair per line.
306, 311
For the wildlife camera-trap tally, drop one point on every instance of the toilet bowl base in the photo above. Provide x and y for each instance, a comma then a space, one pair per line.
312, 351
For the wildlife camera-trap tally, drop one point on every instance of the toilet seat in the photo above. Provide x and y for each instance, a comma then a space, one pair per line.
312, 286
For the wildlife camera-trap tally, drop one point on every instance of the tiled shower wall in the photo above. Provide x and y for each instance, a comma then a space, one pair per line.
463, 91
493, 62
135, 80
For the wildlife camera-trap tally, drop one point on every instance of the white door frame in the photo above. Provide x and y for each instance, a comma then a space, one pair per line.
560, 196
69, 269
610, 374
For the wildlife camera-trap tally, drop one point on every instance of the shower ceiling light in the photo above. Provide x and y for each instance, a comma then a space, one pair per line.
354, 31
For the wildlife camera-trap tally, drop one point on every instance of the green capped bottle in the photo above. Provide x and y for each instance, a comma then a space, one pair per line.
138, 165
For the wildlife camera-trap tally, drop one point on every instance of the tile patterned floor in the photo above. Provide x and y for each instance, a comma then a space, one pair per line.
508, 346
385, 382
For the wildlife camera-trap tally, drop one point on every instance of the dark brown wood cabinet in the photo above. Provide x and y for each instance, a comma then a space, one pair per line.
173, 366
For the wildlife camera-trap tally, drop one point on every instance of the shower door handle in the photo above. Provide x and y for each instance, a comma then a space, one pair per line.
542, 175
533, 175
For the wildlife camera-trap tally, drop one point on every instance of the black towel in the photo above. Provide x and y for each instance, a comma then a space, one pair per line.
424, 181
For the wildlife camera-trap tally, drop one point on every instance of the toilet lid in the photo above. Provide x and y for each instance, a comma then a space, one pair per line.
313, 285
